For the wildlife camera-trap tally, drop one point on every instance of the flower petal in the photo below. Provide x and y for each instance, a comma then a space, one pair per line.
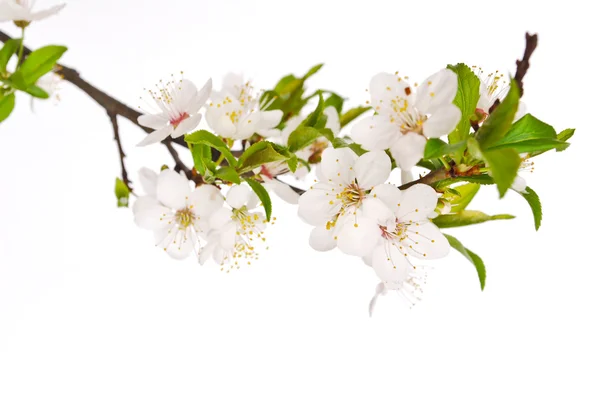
375, 133
148, 179
318, 205
442, 122
333, 119
372, 168
205, 200
154, 121
406, 176
283, 190
178, 245
172, 189
238, 196
201, 98
337, 165
269, 119
187, 125
157, 135
391, 265
416, 203
46, 13
220, 218
228, 236
358, 236
408, 150
437, 90
385, 88
389, 194
149, 215
426, 241
184, 96
377, 210
321, 239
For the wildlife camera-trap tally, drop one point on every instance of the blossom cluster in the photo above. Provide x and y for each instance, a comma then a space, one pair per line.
461, 126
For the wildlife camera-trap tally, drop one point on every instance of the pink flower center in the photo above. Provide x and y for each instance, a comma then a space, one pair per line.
265, 171
176, 121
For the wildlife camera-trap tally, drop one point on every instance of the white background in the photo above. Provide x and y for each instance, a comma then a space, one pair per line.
90, 310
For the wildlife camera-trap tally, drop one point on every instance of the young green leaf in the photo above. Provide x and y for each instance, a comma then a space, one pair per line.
526, 128
312, 71
122, 193
208, 138
499, 122
258, 154
38, 92
304, 136
482, 179
435, 148
10, 47
201, 154
313, 118
467, 218
466, 100
37, 64
262, 194
336, 101
471, 257
504, 165
536, 206
466, 193
228, 173
533, 145
565, 135
352, 114
7, 104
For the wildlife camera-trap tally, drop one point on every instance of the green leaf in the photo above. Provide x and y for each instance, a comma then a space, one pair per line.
210, 139
10, 47
536, 206
37, 64
228, 173
467, 218
312, 71
258, 154
7, 104
304, 136
466, 100
526, 128
202, 156
336, 101
466, 193
313, 118
534, 145
38, 92
122, 193
292, 160
471, 257
565, 135
504, 165
262, 194
352, 114
500, 121
528, 135
482, 179
288, 84
435, 148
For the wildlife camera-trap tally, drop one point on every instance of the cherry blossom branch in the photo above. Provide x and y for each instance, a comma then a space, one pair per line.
115, 125
112, 106
179, 164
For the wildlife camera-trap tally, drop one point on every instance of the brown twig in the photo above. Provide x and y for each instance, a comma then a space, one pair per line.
179, 164
109, 103
115, 126
523, 64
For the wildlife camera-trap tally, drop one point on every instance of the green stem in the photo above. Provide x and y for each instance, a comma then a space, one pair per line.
21, 47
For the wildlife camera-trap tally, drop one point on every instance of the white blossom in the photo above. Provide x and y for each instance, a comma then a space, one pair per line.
236, 112
236, 231
333, 205
21, 11
405, 232
177, 215
494, 87
406, 117
178, 102
269, 173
